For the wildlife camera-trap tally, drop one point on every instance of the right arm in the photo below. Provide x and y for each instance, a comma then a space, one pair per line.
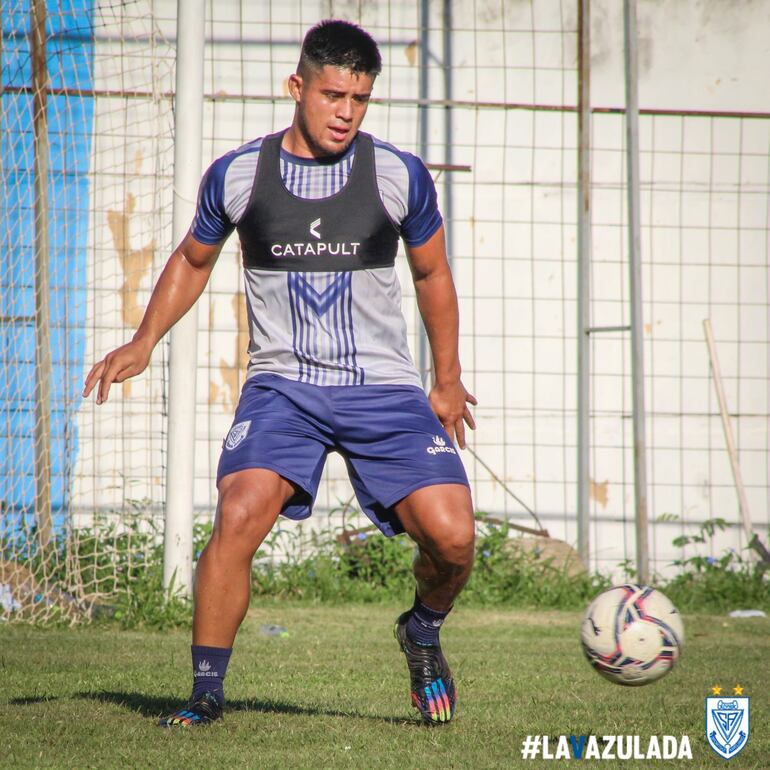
180, 284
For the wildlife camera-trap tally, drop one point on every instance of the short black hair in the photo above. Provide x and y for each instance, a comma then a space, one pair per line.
340, 44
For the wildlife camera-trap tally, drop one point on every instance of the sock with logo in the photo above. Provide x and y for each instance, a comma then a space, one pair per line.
424, 623
209, 669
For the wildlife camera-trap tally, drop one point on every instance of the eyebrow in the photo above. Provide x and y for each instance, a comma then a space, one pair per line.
337, 92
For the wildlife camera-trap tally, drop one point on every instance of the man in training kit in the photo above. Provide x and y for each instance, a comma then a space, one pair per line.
319, 209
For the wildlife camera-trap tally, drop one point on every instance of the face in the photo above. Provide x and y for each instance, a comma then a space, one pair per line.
330, 105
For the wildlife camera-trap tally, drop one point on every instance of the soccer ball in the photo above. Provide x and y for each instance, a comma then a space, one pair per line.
632, 635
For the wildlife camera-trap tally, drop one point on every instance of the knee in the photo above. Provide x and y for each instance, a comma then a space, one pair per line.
454, 549
240, 518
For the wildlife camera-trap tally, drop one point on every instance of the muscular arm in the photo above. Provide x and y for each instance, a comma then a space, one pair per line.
437, 301
180, 284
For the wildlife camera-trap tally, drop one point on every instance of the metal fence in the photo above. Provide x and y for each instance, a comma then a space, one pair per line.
487, 93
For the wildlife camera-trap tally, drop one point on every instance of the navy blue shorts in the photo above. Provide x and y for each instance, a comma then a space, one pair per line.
390, 438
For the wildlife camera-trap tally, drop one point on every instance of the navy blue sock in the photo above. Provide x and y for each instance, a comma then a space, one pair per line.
209, 669
424, 623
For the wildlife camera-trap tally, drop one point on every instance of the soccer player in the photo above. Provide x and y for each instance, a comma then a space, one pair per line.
319, 209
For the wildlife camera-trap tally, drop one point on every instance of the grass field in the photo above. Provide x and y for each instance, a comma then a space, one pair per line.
334, 694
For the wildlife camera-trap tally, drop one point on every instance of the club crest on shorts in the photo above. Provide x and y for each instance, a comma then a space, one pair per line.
727, 723
237, 433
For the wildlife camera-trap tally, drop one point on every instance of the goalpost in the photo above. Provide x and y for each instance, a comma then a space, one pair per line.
183, 361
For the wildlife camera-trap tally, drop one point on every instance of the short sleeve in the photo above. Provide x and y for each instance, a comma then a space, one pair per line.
211, 224
423, 218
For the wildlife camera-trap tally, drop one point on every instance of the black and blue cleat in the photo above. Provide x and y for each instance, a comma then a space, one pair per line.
432, 686
203, 710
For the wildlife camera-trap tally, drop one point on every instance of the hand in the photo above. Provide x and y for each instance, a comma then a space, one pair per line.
449, 401
124, 362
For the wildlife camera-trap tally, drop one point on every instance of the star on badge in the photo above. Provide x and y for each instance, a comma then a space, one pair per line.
738, 690
716, 690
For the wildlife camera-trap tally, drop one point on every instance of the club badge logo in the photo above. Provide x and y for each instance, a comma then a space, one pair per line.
727, 722
237, 434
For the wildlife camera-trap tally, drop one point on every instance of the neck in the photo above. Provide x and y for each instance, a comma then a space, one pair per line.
295, 143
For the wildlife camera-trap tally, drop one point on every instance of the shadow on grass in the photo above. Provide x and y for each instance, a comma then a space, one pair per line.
31, 699
149, 706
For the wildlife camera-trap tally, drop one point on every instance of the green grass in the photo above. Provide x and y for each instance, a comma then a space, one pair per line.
334, 694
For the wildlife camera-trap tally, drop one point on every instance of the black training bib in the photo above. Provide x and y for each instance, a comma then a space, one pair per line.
350, 230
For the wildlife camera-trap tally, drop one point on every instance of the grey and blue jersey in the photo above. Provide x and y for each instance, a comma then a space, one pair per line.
323, 327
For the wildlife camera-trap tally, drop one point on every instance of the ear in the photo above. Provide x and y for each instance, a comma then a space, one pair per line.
295, 86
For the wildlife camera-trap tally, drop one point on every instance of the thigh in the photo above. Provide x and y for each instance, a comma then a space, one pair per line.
249, 502
256, 487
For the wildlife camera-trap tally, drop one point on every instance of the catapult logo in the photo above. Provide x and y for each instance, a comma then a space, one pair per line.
311, 249
727, 722
204, 670
439, 447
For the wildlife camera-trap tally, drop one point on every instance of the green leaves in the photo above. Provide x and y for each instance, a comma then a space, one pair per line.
706, 583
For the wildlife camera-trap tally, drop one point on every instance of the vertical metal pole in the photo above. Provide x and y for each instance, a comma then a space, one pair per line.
183, 361
727, 427
423, 352
42, 293
584, 277
635, 274
448, 137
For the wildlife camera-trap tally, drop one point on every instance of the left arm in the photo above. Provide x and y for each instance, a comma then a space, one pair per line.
437, 302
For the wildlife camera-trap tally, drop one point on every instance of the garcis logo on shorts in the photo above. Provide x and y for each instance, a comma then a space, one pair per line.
439, 447
238, 432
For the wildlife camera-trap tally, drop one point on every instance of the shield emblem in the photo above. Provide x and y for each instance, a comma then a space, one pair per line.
237, 434
727, 725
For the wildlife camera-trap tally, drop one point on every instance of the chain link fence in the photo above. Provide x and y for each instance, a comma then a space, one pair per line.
486, 93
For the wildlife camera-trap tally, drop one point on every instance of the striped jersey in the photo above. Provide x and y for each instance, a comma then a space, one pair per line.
307, 323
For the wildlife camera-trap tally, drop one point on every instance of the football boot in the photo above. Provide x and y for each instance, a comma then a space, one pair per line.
432, 687
203, 710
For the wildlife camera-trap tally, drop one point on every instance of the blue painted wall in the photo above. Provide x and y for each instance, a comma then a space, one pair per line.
70, 63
